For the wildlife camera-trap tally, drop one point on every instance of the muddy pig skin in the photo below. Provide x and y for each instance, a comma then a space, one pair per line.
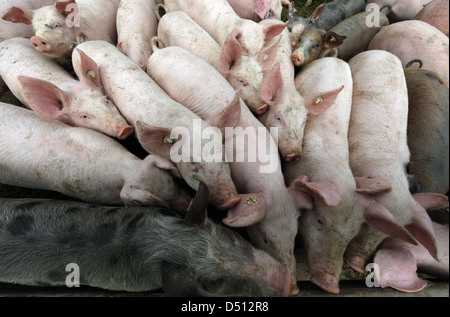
378, 148
272, 220
244, 73
340, 208
136, 26
42, 85
59, 27
218, 18
8, 29
136, 249
156, 118
436, 13
402, 9
399, 262
428, 131
81, 163
414, 39
257, 10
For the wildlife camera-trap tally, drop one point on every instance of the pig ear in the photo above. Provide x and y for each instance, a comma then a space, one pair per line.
271, 90
302, 199
61, 7
197, 210
132, 196
378, 217
231, 55
89, 72
43, 97
272, 30
325, 191
318, 103
262, 8
422, 229
430, 200
332, 40
119, 47
249, 210
370, 185
267, 56
398, 269
317, 13
154, 139
17, 15
163, 164
230, 116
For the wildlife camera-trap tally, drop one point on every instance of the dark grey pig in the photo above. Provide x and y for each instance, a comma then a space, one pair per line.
132, 249
310, 36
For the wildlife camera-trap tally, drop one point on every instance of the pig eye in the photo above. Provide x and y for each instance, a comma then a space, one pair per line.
85, 117
56, 25
243, 82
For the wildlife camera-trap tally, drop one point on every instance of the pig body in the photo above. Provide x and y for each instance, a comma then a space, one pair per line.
60, 27
136, 26
358, 34
8, 29
428, 131
111, 246
436, 14
340, 208
400, 262
414, 39
402, 9
275, 212
42, 85
218, 18
257, 10
378, 148
286, 108
80, 163
155, 115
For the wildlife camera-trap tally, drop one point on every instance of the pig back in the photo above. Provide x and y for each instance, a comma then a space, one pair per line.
378, 122
428, 130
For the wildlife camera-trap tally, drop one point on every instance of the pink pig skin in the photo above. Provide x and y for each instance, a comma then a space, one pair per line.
340, 207
257, 10
81, 163
203, 90
8, 29
42, 85
154, 115
436, 13
244, 73
136, 26
399, 262
283, 106
54, 29
218, 18
378, 148
415, 39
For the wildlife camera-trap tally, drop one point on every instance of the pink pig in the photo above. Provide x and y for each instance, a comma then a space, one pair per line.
157, 118
81, 163
42, 85
59, 28
257, 10
218, 18
403, 9
341, 204
268, 209
378, 149
9, 29
136, 26
415, 39
436, 13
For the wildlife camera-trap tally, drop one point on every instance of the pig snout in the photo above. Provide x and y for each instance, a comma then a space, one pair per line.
298, 59
328, 282
226, 201
40, 44
125, 132
277, 278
